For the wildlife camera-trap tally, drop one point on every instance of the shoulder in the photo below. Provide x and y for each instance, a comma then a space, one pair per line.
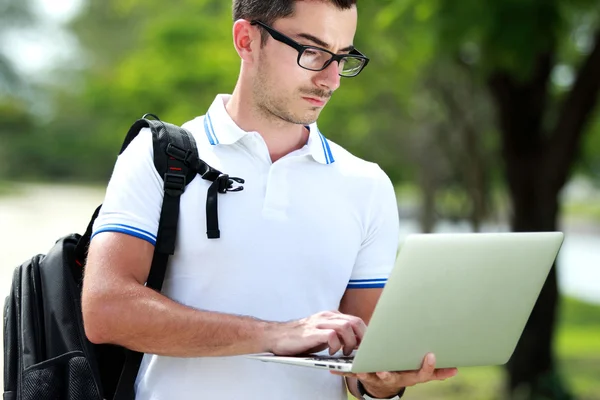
354, 167
197, 127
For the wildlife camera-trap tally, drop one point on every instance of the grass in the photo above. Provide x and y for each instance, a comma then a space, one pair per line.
587, 210
577, 348
5, 188
575, 313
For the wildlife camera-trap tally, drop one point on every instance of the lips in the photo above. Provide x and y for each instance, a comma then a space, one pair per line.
315, 101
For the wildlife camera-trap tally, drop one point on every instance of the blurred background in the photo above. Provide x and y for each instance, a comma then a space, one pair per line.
486, 115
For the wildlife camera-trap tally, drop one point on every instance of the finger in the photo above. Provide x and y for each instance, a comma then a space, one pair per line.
344, 332
426, 373
345, 374
333, 341
358, 325
445, 373
350, 342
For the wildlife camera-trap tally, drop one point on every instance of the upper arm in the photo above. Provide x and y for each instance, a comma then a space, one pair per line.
360, 303
124, 234
377, 253
116, 257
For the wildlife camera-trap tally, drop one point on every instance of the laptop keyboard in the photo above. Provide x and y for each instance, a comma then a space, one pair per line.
345, 360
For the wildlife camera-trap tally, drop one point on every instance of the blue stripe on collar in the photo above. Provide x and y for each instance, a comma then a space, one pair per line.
210, 133
212, 129
207, 131
326, 149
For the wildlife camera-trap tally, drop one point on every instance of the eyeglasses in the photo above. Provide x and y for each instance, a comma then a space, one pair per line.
317, 59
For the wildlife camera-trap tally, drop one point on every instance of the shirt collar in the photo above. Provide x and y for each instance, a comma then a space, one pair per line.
319, 146
218, 125
220, 129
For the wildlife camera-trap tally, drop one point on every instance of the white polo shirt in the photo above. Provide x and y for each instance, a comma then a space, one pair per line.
304, 229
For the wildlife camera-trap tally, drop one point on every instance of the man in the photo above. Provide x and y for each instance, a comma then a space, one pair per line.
304, 250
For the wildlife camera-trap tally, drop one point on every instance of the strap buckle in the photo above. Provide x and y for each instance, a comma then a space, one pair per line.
179, 154
174, 184
235, 188
226, 184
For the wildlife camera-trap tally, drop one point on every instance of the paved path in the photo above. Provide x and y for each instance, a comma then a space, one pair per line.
37, 215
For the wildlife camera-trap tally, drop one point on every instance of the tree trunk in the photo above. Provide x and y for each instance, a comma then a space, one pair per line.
427, 216
537, 165
532, 369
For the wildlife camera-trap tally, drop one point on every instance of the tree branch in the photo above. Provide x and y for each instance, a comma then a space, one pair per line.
574, 115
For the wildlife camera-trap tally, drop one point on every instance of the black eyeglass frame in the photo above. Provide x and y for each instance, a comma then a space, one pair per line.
300, 48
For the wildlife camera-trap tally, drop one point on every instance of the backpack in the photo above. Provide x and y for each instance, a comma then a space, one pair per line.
46, 352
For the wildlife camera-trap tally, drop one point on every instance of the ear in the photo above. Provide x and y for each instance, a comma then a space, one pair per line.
246, 40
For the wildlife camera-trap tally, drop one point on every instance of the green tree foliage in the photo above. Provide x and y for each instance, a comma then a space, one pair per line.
524, 52
13, 15
459, 97
172, 62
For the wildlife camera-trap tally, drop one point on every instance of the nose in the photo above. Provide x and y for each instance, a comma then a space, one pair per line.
329, 78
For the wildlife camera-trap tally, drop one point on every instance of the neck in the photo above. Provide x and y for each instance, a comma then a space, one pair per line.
281, 137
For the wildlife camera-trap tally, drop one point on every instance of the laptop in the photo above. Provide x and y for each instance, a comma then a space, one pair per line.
465, 297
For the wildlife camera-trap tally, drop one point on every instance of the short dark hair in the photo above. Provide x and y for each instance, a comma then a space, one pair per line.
269, 11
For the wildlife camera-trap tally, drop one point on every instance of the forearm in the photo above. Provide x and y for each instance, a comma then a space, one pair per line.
351, 385
374, 391
144, 320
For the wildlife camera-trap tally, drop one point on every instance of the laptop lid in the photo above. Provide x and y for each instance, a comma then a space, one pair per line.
464, 297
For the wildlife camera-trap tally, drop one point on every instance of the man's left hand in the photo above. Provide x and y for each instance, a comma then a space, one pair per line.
388, 384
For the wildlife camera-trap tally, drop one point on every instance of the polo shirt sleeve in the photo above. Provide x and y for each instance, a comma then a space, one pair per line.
378, 250
134, 194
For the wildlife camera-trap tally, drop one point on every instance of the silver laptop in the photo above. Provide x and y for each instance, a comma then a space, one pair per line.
464, 297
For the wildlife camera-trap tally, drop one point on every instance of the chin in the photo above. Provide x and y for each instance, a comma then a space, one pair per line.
313, 116
306, 120
301, 115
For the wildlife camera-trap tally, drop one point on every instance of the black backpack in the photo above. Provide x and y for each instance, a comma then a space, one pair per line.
46, 352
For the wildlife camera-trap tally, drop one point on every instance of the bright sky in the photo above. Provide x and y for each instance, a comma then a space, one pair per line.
61, 11
39, 49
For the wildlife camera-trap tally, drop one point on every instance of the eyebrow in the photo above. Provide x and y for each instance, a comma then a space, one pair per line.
321, 43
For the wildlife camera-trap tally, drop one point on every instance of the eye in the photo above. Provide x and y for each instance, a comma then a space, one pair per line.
311, 52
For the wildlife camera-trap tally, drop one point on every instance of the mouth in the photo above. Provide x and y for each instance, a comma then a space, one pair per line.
315, 101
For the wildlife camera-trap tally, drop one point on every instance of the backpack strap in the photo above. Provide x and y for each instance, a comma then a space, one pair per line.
177, 162
173, 146
173, 149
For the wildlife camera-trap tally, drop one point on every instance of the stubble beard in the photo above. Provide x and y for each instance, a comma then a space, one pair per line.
273, 104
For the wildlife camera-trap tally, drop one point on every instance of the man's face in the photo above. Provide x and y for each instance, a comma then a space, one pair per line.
281, 87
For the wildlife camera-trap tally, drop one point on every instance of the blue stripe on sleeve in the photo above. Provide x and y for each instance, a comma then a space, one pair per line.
367, 280
379, 285
128, 230
366, 283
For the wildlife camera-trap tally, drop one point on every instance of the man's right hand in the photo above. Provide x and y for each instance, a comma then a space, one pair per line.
119, 309
329, 329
